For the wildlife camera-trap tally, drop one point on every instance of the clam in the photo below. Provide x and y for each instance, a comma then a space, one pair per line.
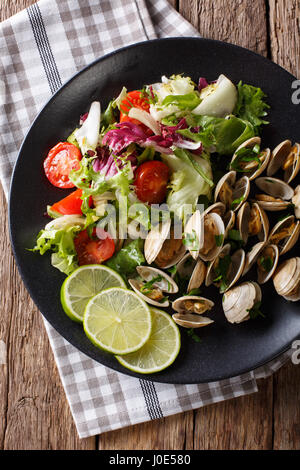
238, 301
193, 234
296, 201
285, 157
225, 270
252, 221
285, 234
286, 279
214, 230
152, 284
229, 221
279, 154
278, 194
252, 256
190, 310
217, 207
161, 246
232, 192
254, 167
194, 270
267, 262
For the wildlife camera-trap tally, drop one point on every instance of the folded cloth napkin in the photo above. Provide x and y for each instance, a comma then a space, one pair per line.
41, 48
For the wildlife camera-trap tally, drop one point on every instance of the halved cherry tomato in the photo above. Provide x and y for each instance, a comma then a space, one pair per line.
70, 204
94, 249
135, 99
61, 159
151, 180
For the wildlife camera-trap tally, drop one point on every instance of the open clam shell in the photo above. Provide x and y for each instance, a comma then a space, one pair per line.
213, 230
252, 221
286, 279
238, 301
279, 155
285, 234
296, 201
275, 187
137, 285
190, 320
232, 192
217, 207
193, 234
267, 263
154, 293
192, 304
197, 276
165, 284
253, 168
291, 166
162, 248
252, 256
229, 221
235, 269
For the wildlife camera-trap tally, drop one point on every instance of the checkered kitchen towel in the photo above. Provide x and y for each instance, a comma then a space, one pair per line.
40, 48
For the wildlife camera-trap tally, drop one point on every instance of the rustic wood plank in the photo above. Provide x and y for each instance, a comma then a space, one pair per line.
33, 407
241, 423
285, 34
163, 434
237, 21
286, 408
285, 50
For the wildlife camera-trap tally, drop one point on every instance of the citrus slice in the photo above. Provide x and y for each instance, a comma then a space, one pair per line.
161, 349
117, 320
83, 284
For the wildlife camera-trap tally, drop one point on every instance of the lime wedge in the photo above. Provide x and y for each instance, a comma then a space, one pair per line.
117, 320
161, 349
83, 284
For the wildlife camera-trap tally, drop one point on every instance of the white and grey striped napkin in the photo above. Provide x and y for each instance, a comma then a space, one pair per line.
40, 48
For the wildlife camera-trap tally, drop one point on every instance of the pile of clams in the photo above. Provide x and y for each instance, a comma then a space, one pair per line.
253, 221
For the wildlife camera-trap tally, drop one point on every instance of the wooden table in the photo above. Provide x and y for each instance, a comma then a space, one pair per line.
33, 408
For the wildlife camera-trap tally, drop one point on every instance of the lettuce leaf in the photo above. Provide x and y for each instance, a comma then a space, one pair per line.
187, 182
222, 135
61, 242
251, 105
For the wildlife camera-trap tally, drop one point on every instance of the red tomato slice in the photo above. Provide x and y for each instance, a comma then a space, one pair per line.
134, 99
70, 204
151, 180
61, 159
94, 250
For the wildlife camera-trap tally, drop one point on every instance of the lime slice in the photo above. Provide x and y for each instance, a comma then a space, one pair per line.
117, 320
161, 349
83, 284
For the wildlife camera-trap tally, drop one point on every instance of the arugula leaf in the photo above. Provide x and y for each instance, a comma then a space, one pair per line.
251, 105
188, 158
127, 259
221, 272
108, 117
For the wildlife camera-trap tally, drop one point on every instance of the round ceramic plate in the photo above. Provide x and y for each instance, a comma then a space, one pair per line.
225, 350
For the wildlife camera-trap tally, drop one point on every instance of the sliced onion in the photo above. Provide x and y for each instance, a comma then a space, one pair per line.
87, 135
145, 118
187, 144
157, 148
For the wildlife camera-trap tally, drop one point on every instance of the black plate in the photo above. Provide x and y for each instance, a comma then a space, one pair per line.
226, 350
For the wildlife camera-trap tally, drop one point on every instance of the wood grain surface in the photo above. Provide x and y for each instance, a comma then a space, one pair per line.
33, 408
